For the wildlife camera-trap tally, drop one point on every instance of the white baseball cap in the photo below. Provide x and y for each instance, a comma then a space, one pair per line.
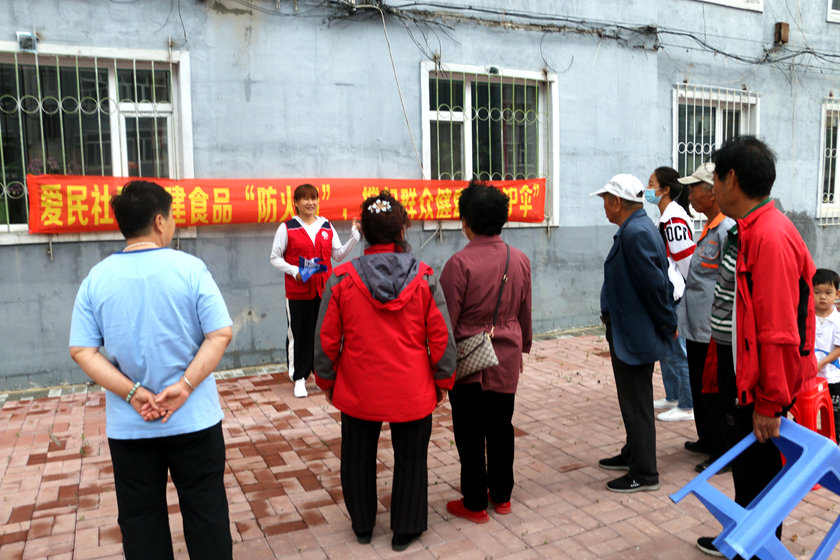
705, 173
624, 186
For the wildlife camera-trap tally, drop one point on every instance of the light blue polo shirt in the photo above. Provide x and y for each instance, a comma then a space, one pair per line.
150, 311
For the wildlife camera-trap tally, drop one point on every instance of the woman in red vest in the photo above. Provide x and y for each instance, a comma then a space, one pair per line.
303, 239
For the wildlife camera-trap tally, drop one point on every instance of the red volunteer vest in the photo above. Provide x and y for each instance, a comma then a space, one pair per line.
299, 245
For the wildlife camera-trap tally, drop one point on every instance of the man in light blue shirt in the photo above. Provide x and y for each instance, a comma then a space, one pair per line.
164, 326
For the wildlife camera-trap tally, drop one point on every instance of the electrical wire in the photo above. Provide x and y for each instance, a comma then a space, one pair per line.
397, 80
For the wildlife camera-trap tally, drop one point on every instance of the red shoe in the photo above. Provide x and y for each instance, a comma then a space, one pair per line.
502, 508
456, 508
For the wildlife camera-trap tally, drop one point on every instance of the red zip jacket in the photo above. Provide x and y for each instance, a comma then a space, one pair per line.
384, 339
774, 313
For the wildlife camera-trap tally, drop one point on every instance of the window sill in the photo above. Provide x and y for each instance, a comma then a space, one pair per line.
18, 235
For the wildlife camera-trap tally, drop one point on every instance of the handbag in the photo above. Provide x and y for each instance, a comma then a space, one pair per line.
476, 352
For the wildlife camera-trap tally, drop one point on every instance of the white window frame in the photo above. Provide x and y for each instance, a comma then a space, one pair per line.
549, 104
828, 213
708, 96
751, 5
833, 15
178, 113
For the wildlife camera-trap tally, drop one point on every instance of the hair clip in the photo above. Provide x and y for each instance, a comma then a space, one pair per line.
379, 205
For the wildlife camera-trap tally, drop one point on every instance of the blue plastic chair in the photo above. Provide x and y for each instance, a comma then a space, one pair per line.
751, 531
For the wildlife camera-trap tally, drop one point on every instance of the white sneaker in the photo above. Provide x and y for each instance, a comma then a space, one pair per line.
676, 414
300, 389
664, 403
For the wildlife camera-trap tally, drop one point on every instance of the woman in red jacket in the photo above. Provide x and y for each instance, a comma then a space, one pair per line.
385, 353
482, 403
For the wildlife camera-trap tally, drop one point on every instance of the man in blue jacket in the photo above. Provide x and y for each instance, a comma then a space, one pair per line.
641, 323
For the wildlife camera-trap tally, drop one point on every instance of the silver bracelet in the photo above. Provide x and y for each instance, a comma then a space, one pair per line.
187, 381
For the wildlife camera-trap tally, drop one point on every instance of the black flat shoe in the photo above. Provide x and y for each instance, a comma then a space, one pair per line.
363, 538
696, 447
400, 541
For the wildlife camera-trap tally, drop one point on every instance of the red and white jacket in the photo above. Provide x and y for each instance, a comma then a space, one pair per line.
675, 228
774, 314
384, 338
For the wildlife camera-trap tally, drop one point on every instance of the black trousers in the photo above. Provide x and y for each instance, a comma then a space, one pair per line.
301, 317
410, 487
708, 410
634, 385
753, 469
196, 462
483, 419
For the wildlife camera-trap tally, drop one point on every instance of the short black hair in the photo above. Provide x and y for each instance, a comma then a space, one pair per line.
484, 208
386, 225
136, 207
826, 276
752, 160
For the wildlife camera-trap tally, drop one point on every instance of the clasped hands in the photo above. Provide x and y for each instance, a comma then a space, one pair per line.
163, 405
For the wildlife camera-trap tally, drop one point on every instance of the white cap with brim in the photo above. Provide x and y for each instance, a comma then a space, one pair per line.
624, 186
705, 173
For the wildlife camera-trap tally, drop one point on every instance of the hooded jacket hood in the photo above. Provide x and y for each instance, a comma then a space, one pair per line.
386, 276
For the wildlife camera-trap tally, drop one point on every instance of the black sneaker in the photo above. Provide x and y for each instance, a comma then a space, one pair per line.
700, 467
696, 447
627, 484
363, 537
704, 544
617, 463
400, 541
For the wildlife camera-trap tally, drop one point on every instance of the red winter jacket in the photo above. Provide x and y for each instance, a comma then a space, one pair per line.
384, 339
774, 313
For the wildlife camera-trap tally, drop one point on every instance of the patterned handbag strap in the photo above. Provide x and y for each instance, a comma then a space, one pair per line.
502, 287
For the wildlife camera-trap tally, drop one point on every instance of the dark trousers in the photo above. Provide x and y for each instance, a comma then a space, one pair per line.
753, 469
410, 487
708, 410
196, 462
301, 317
834, 391
483, 420
634, 385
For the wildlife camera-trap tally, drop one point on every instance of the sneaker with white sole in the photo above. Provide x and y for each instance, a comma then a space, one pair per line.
626, 484
676, 414
300, 388
706, 546
664, 403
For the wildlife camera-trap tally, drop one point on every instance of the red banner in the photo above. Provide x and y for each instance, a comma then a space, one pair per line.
76, 203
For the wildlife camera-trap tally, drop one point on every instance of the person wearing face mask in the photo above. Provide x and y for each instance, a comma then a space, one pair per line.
305, 238
665, 191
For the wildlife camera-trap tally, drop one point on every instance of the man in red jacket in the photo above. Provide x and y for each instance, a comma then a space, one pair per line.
774, 325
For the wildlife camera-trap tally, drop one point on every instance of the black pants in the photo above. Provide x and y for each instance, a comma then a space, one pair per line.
834, 391
410, 487
634, 385
196, 462
483, 419
302, 317
753, 469
708, 411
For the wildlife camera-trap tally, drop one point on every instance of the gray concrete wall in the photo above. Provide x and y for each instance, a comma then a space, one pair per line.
296, 94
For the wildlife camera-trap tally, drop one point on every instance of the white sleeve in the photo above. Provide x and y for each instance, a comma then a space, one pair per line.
680, 244
340, 251
278, 249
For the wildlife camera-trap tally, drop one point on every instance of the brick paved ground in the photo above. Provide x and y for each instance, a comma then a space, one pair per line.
57, 495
